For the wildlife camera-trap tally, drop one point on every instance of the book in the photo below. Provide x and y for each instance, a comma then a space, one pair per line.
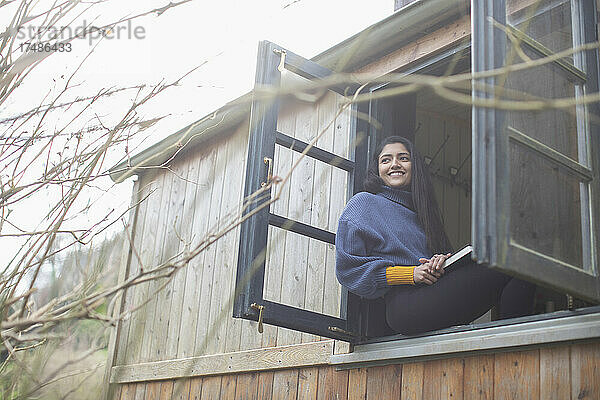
462, 256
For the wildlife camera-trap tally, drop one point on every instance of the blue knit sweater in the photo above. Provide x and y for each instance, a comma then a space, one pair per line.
376, 232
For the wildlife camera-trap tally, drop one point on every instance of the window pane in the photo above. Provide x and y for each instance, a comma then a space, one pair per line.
315, 193
548, 22
316, 114
545, 206
557, 128
300, 272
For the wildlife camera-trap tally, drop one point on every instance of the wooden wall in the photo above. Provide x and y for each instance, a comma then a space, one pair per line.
191, 315
176, 318
560, 372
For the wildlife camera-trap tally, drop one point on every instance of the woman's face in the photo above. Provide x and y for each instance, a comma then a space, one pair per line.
395, 166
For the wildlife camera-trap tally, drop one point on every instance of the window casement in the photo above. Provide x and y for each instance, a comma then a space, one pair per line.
277, 242
535, 173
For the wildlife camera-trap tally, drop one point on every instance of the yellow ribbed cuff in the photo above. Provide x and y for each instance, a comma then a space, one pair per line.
399, 275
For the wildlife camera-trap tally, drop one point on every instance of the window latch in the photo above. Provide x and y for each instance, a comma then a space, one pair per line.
281, 65
269, 162
342, 331
260, 310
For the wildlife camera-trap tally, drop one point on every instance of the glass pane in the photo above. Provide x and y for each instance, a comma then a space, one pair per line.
545, 206
554, 127
548, 22
300, 272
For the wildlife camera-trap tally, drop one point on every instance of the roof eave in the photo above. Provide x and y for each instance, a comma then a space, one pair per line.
227, 117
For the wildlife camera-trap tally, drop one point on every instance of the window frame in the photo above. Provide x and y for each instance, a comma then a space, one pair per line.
249, 302
461, 341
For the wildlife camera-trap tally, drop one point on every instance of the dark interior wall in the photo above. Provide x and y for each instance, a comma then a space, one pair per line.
397, 116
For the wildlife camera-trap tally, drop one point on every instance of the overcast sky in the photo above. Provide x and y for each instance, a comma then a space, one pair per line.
220, 36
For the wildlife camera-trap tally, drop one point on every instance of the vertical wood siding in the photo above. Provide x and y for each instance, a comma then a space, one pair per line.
190, 315
562, 372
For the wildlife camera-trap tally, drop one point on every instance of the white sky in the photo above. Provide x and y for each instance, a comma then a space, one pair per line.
224, 33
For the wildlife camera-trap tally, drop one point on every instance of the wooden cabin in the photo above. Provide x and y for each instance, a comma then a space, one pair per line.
260, 315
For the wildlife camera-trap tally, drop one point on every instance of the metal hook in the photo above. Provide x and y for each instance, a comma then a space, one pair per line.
281, 65
260, 310
269, 162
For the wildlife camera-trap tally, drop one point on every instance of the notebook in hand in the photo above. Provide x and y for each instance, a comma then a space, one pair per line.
463, 256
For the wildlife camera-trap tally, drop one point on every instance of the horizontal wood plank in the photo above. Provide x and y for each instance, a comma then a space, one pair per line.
300, 355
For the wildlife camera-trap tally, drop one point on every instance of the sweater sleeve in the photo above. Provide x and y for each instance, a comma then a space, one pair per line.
363, 274
400, 275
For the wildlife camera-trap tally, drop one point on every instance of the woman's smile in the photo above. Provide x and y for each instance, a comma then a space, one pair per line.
395, 166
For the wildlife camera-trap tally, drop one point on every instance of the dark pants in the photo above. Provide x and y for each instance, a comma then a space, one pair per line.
457, 298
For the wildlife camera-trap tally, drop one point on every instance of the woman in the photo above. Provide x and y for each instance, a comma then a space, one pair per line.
391, 242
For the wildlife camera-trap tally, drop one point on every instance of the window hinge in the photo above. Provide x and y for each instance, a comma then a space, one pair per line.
260, 310
570, 302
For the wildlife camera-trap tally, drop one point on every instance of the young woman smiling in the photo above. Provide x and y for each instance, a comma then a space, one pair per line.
391, 243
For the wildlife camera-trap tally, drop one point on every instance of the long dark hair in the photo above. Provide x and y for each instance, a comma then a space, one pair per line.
422, 193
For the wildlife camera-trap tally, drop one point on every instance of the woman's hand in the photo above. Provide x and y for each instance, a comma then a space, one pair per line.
430, 270
423, 274
436, 263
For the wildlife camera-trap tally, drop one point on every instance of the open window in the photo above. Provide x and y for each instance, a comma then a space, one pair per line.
516, 173
535, 176
287, 254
